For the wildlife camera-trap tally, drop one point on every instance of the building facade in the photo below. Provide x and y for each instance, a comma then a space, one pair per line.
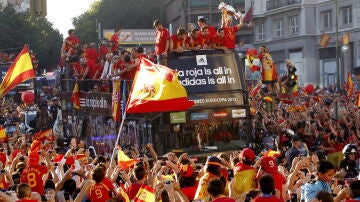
292, 29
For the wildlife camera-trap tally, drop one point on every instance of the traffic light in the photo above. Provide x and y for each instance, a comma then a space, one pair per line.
38, 8
292, 78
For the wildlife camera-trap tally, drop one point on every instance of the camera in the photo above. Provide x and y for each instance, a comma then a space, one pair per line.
167, 181
2, 171
230, 174
74, 173
22, 158
293, 197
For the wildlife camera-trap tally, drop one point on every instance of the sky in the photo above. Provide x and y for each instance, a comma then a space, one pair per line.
61, 12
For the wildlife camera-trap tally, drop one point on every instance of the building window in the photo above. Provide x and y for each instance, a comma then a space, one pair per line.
260, 32
346, 15
326, 20
294, 25
199, 3
278, 29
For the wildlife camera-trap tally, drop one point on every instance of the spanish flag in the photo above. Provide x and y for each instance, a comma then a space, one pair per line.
19, 71
358, 100
75, 97
272, 153
116, 101
156, 88
124, 161
349, 86
2, 133
145, 194
345, 39
255, 91
325, 39
44, 134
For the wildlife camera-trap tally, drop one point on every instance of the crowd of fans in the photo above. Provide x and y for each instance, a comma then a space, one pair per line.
300, 154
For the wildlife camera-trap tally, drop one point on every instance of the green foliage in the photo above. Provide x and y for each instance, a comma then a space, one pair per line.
19, 29
125, 14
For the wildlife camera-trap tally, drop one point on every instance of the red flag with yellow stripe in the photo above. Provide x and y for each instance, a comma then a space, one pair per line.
19, 71
145, 194
358, 100
116, 100
2, 132
345, 39
156, 88
349, 86
75, 97
325, 39
124, 161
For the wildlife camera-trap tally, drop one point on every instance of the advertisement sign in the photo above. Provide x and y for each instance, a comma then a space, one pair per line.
136, 36
199, 116
238, 113
206, 73
178, 117
217, 99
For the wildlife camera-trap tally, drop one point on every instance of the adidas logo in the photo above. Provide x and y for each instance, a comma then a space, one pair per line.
201, 60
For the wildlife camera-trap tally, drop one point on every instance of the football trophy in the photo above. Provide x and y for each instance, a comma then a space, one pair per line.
230, 10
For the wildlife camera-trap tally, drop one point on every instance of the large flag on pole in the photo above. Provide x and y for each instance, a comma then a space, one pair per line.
349, 86
19, 71
156, 88
75, 97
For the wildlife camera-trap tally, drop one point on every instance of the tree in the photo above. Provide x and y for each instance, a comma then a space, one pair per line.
134, 14
19, 29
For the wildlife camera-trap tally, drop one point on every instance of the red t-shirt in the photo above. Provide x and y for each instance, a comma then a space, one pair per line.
71, 42
224, 199
128, 75
132, 190
217, 40
229, 37
114, 42
4, 184
33, 177
190, 191
92, 54
267, 199
176, 41
92, 69
192, 42
205, 41
103, 51
212, 31
100, 192
161, 36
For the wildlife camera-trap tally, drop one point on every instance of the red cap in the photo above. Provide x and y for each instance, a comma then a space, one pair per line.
247, 153
269, 164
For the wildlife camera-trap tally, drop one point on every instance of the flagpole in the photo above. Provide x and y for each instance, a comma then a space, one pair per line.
118, 137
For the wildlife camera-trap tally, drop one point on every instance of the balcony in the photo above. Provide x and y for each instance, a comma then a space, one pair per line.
274, 4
